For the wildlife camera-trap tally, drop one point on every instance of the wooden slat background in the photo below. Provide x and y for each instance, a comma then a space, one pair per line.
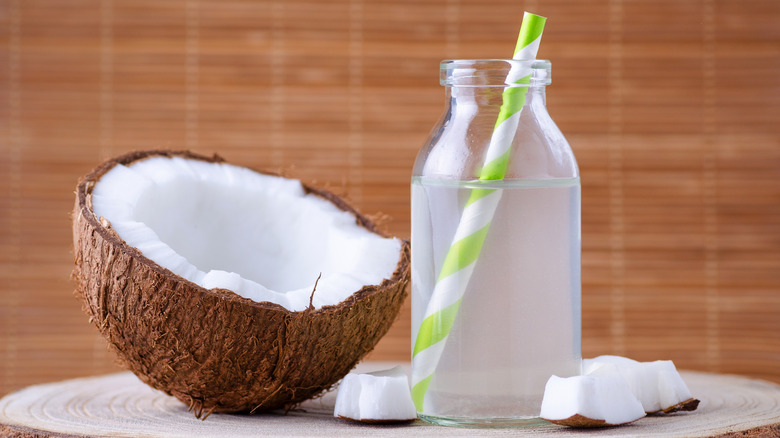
672, 108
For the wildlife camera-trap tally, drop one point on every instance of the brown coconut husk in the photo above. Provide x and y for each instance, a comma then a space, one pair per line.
213, 349
580, 421
688, 405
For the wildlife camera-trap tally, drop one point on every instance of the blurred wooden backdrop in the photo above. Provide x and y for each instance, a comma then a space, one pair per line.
672, 108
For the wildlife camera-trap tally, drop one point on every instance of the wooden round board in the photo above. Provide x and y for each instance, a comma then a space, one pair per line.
119, 405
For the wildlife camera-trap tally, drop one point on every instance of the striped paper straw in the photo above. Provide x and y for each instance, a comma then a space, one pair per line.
474, 222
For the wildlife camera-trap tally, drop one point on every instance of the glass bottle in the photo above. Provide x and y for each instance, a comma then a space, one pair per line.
483, 357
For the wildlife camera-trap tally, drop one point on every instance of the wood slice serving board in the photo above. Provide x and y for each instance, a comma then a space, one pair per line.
119, 405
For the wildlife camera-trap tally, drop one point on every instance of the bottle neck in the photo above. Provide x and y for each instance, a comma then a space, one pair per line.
491, 97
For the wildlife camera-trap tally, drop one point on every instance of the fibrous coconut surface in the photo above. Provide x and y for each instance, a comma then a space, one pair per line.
233, 290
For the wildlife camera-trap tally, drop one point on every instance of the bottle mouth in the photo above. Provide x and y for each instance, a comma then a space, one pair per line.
495, 72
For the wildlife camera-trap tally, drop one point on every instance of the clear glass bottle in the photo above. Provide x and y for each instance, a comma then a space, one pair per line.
517, 321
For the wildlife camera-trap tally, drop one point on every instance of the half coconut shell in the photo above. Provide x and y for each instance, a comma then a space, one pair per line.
213, 349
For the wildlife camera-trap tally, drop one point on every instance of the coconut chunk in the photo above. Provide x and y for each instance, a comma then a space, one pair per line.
226, 227
657, 385
377, 397
590, 401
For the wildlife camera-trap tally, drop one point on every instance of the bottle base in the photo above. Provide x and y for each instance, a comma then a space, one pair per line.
495, 422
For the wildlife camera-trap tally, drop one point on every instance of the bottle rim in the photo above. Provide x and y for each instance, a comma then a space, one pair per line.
495, 72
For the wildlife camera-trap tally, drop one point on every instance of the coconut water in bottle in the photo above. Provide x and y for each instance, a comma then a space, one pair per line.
495, 261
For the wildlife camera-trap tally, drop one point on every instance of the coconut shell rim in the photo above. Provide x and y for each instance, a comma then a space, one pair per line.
87, 183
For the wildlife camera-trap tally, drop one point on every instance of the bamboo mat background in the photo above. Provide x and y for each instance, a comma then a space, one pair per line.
671, 106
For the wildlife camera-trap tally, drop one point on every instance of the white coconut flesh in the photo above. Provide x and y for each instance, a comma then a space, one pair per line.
656, 384
615, 390
228, 227
598, 400
380, 396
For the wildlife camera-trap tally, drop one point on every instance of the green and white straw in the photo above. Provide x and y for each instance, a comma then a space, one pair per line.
474, 222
